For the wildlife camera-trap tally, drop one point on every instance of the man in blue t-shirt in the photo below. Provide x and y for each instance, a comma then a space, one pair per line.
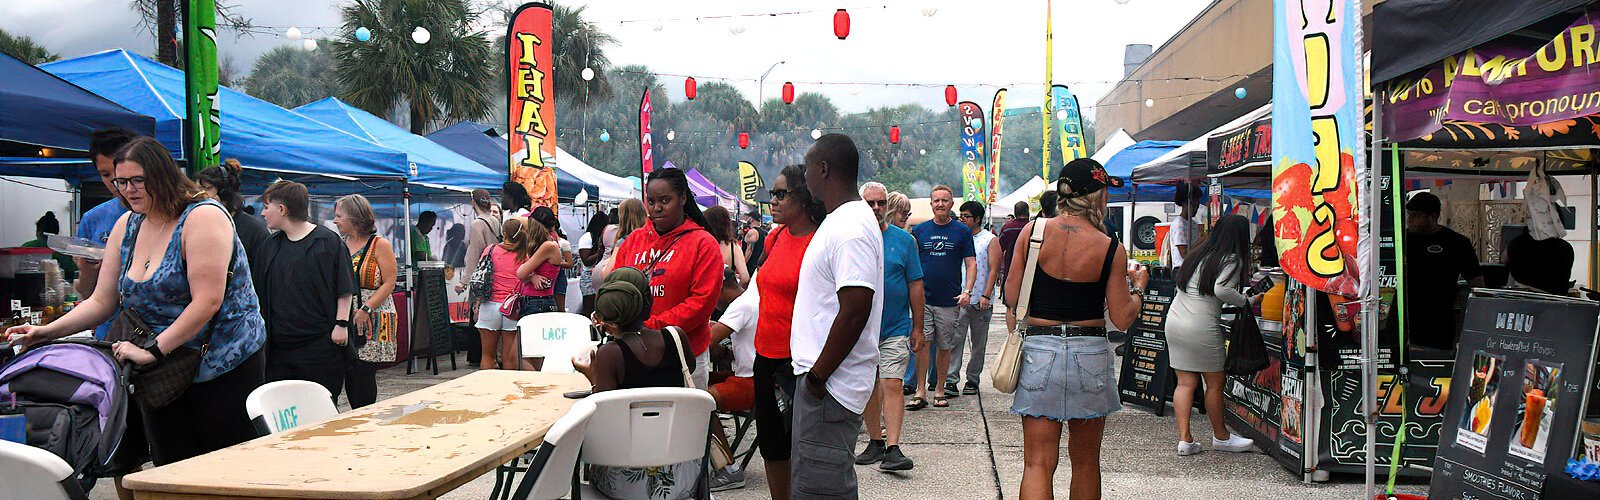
949, 267
97, 223
900, 336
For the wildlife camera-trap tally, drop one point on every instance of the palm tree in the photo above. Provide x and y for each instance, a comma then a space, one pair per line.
449, 78
25, 49
160, 18
291, 77
578, 45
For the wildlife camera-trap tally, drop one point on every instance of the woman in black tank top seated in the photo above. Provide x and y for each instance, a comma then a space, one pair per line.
636, 357
1067, 374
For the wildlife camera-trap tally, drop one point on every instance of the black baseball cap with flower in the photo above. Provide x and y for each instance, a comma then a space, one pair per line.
1084, 176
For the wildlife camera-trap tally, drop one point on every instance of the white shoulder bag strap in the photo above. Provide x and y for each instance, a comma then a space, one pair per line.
1009, 366
683, 362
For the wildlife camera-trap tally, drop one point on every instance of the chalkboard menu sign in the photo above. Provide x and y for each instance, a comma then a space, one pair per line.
1522, 367
430, 329
1147, 380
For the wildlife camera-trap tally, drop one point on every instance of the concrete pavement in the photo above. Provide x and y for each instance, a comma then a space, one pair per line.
973, 450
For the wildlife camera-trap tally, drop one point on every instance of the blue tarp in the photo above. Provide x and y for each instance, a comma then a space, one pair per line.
260, 134
43, 110
479, 143
1121, 164
436, 166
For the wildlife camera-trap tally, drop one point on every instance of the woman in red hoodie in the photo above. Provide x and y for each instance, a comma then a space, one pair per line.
682, 261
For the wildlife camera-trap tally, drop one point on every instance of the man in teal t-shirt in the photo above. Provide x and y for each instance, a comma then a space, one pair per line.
899, 338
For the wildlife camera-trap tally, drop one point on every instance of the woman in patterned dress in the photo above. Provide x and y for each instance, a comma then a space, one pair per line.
374, 324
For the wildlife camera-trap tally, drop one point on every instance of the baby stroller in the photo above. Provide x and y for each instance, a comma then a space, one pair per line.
74, 398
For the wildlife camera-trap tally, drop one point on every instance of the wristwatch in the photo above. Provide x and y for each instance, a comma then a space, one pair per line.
155, 350
343, 323
364, 308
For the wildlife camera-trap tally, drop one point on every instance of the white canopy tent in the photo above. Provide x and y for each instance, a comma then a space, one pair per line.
1118, 141
613, 189
1027, 192
1174, 166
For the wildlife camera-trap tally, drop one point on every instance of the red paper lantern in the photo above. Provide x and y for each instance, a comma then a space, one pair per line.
949, 95
788, 92
689, 87
744, 140
894, 134
841, 24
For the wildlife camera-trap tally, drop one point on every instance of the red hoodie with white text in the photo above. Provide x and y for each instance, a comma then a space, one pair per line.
685, 271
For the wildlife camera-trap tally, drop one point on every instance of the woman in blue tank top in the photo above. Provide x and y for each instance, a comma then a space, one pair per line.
161, 262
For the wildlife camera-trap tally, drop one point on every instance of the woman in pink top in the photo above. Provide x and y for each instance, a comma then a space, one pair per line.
538, 275
497, 332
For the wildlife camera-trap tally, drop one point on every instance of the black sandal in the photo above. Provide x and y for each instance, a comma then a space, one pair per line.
941, 403
916, 404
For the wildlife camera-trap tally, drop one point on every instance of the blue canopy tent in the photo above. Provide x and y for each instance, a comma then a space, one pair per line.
1121, 165
268, 141
480, 143
435, 166
44, 111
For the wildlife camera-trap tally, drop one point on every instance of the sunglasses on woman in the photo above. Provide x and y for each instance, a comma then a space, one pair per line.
779, 194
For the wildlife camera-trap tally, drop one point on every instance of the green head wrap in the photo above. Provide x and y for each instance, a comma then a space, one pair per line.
618, 302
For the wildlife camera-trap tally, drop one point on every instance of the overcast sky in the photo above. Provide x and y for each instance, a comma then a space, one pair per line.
997, 42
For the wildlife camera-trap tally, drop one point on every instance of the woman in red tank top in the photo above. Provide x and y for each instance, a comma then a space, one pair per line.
799, 214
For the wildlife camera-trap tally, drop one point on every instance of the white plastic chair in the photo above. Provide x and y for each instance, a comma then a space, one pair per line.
286, 404
649, 427
554, 469
555, 336
29, 473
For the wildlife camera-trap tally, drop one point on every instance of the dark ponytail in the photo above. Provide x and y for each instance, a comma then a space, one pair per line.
680, 184
225, 178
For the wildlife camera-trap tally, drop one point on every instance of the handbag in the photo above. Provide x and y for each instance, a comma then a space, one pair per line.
1247, 352
1008, 368
721, 456
359, 332
482, 280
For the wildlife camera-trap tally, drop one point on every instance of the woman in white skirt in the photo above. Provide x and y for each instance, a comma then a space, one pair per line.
1210, 276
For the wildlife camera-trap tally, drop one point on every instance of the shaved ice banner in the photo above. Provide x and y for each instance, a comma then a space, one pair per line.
1068, 122
1317, 142
532, 103
1502, 84
974, 186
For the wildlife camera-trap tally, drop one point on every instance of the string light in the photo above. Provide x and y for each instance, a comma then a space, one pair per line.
421, 35
310, 44
588, 74
293, 33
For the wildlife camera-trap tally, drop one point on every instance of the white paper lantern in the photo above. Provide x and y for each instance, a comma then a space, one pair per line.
588, 74
421, 35
816, 133
582, 198
293, 33
672, 135
310, 44
922, 151
1148, 103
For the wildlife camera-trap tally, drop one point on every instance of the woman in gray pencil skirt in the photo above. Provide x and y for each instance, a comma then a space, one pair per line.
1211, 276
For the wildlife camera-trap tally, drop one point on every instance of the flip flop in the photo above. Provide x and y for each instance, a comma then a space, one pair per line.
941, 403
916, 404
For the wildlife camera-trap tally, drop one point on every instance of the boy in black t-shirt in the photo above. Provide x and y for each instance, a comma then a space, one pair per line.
1436, 257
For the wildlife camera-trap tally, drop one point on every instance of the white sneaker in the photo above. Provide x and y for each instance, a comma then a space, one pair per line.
1186, 448
1234, 443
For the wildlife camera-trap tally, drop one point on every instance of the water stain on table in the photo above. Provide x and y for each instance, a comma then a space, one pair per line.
327, 429
529, 391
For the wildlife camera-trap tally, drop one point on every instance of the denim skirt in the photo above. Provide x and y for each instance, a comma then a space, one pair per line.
1066, 378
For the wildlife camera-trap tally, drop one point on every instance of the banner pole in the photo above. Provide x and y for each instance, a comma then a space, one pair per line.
1044, 111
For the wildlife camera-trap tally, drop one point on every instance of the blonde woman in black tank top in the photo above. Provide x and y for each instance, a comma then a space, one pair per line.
1067, 373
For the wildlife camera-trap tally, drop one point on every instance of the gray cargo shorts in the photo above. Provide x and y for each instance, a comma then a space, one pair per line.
823, 463
943, 325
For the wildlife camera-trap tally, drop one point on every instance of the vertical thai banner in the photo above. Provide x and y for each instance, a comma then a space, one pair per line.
997, 114
1317, 143
200, 84
1069, 123
532, 106
647, 156
1049, 78
973, 159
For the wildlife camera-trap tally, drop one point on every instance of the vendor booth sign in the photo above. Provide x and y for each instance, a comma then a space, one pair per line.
1317, 142
1147, 379
1504, 84
1240, 148
532, 103
1524, 363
